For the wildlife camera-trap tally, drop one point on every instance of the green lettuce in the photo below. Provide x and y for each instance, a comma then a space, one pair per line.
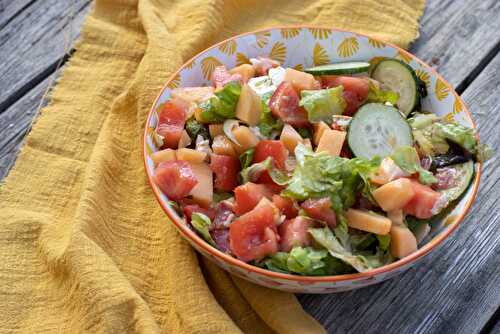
459, 134
322, 104
195, 128
306, 261
384, 241
246, 158
322, 175
378, 95
267, 123
254, 171
360, 262
221, 106
201, 223
406, 157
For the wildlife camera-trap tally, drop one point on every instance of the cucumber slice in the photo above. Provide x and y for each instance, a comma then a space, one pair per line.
376, 130
340, 68
400, 78
464, 173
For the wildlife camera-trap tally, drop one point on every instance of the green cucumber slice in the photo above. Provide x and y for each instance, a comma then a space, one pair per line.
400, 78
340, 68
376, 130
464, 173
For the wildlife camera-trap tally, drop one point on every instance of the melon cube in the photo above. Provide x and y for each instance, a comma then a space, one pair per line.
368, 221
403, 242
331, 142
394, 195
190, 155
290, 137
245, 137
202, 192
162, 156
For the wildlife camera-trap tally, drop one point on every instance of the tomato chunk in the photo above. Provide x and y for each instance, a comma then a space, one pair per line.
221, 76
286, 206
226, 169
171, 122
253, 236
175, 178
270, 148
192, 208
320, 209
248, 195
284, 104
422, 202
355, 90
293, 232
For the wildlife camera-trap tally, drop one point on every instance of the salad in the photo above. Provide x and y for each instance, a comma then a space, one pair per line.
331, 170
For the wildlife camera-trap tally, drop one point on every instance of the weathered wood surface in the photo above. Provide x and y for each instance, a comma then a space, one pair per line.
454, 290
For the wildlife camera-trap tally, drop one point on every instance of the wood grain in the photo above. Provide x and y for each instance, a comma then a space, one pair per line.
458, 36
455, 289
34, 42
10, 9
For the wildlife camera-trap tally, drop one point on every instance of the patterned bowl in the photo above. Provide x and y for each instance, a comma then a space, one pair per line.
300, 47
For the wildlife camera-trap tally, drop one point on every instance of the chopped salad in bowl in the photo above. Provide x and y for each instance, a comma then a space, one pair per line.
326, 171
330, 170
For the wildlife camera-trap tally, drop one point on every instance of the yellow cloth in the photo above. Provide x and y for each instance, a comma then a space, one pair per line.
84, 245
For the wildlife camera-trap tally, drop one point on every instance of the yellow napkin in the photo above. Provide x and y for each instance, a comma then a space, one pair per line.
84, 246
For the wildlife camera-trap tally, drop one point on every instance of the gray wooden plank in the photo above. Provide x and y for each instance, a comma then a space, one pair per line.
456, 35
16, 122
10, 9
456, 289
34, 42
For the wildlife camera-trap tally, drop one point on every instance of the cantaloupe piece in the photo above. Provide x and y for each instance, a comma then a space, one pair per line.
163, 155
331, 142
249, 106
396, 216
319, 129
394, 195
368, 221
190, 155
299, 80
245, 70
290, 137
246, 138
216, 129
203, 192
193, 94
223, 146
403, 242
185, 139
307, 143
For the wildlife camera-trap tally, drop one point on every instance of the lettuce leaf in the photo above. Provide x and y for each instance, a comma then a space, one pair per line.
406, 157
322, 175
459, 134
384, 241
378, 95
267, 123
322, 104
306, 261
253, 172
195, 128
221, 106
246, 158
201, 223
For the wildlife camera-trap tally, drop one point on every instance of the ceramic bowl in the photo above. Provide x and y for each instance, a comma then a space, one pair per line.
301, 47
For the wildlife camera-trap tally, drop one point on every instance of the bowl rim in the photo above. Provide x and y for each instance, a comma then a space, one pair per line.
420, 253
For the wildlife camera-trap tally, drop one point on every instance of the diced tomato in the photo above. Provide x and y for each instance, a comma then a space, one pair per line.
171, 122
355, 90
262, 65
248, 195
320, 209
286, 206
221, 76
293, 232
284, 104
175, 178
270, 148
422, 202
253, 236
192, 208
226, 169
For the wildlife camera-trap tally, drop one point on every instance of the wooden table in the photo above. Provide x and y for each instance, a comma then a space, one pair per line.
456, 289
